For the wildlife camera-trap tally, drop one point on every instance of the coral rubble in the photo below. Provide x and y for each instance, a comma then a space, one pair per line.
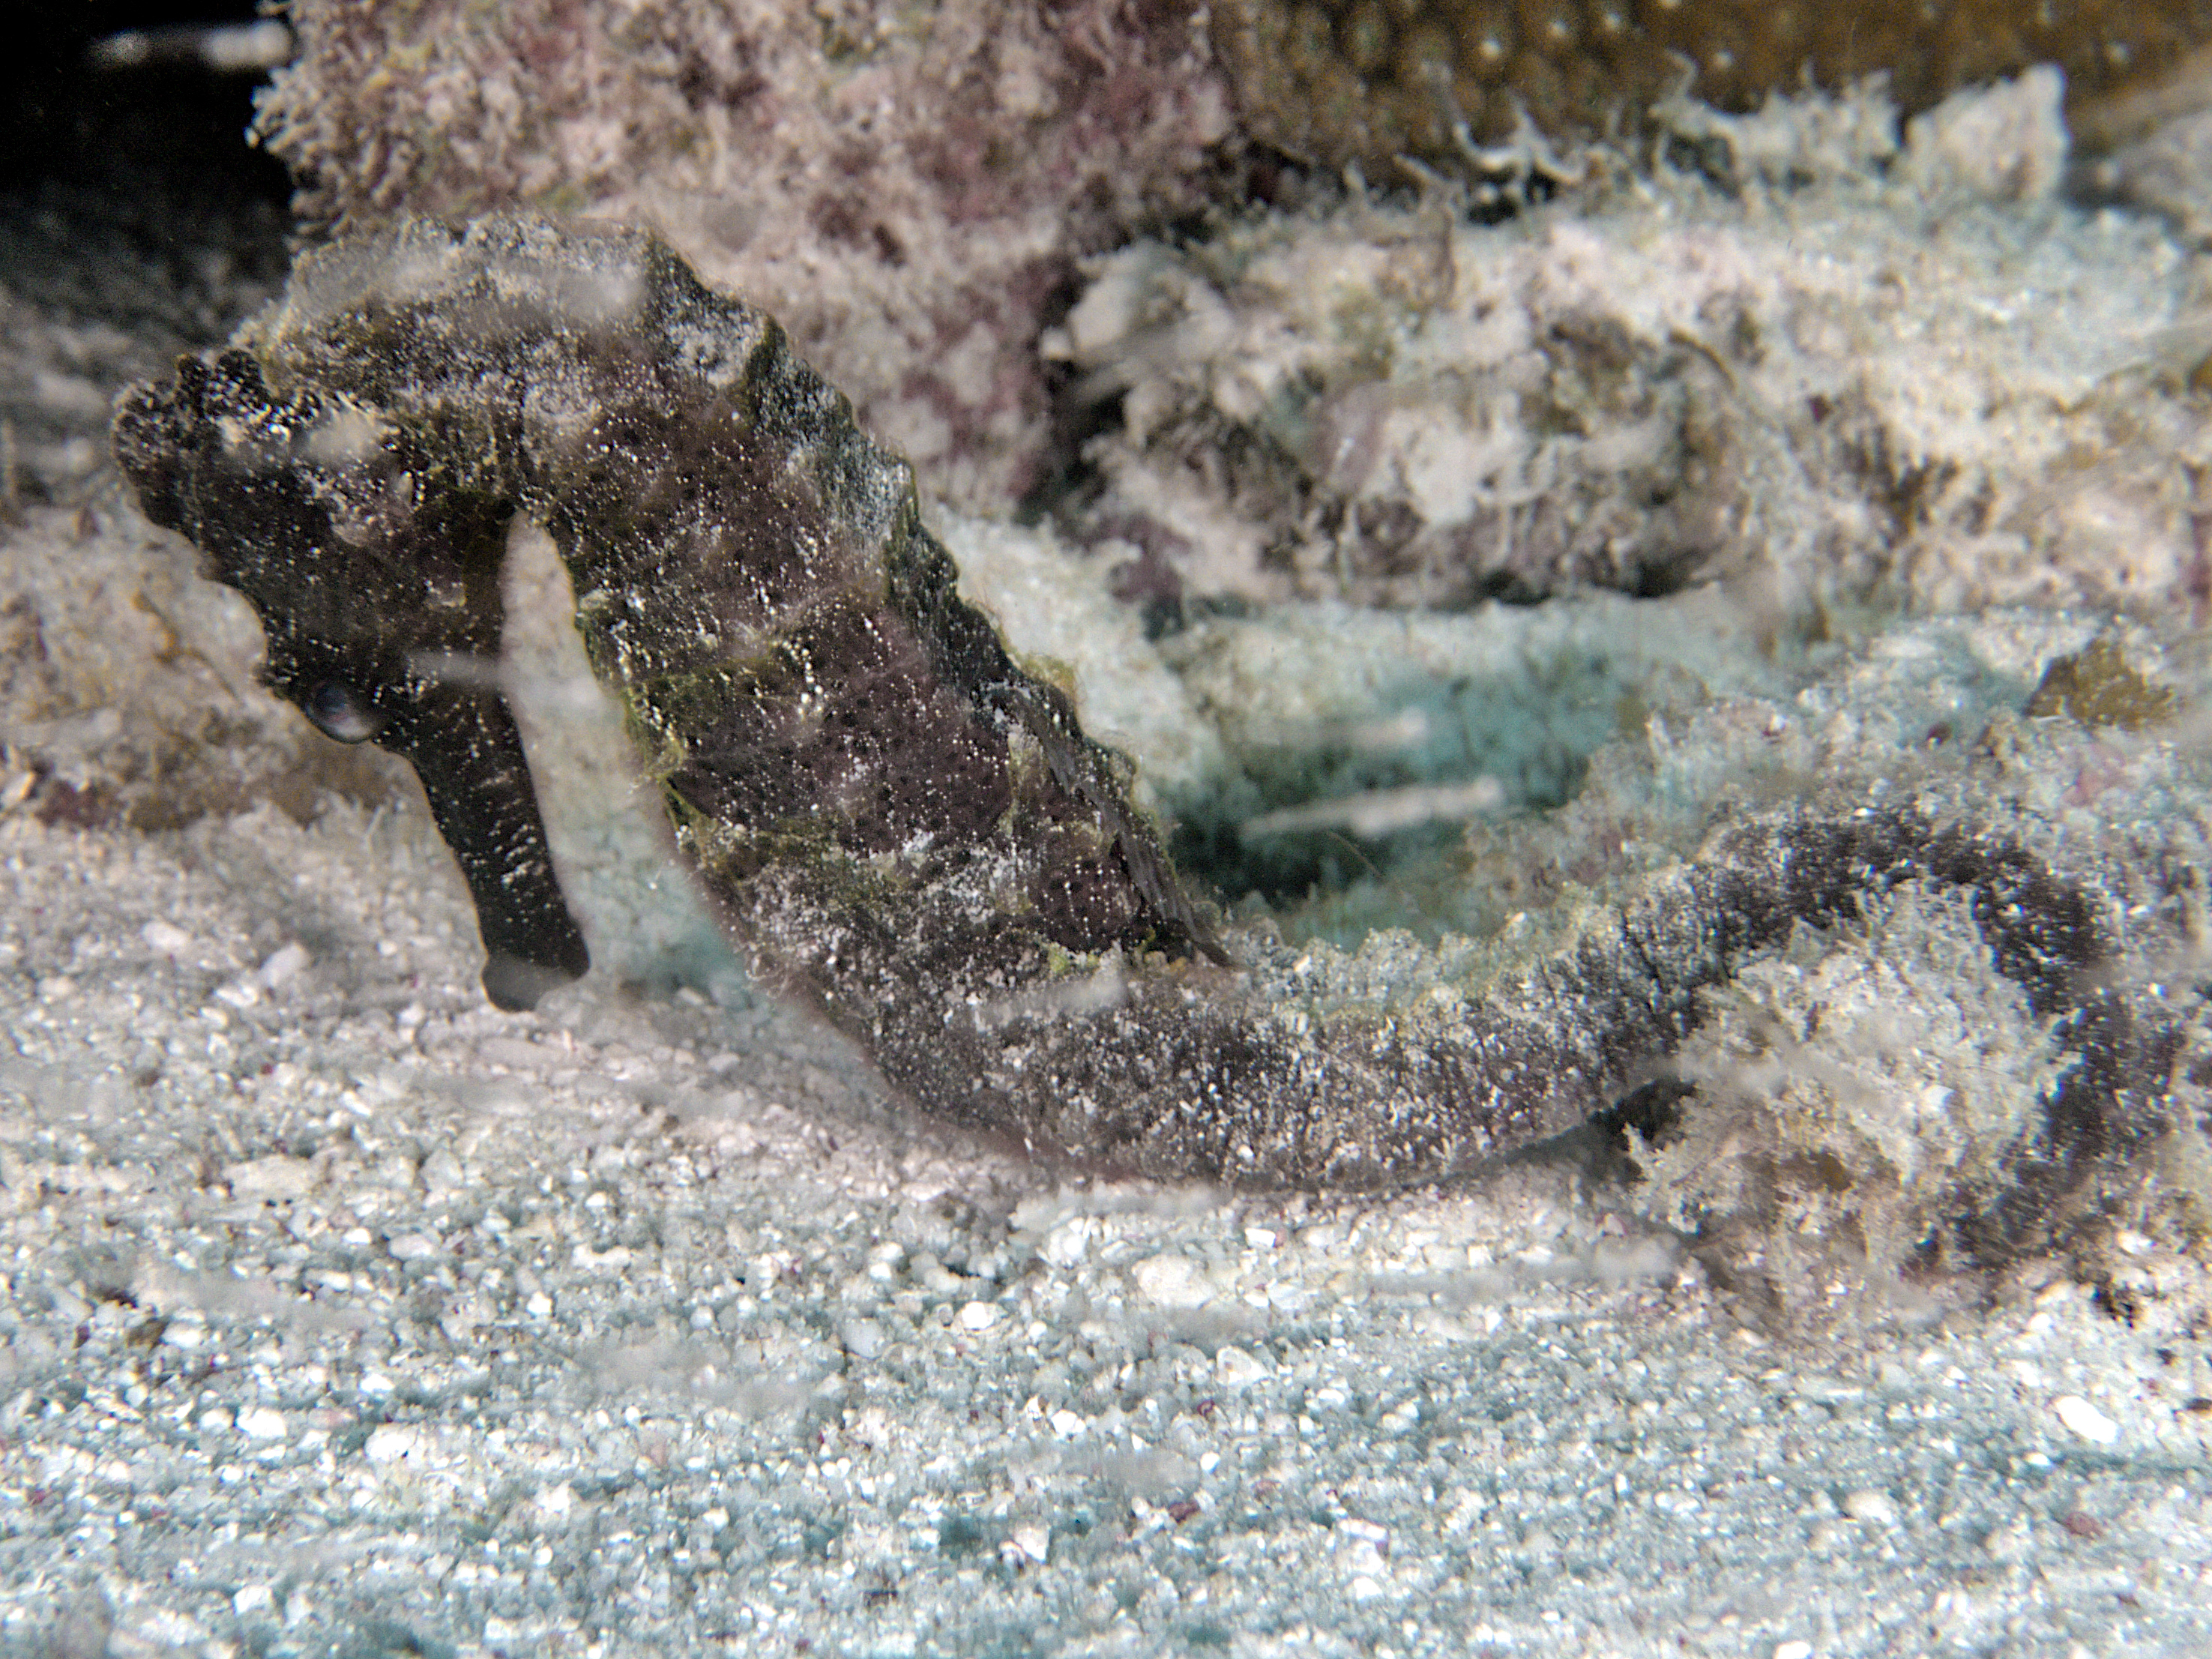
1824, 364
910, 188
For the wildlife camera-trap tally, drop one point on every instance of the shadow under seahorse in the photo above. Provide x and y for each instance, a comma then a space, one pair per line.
901, 824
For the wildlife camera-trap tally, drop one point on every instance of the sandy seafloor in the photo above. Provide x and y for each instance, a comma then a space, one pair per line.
348, 1315
344, 1315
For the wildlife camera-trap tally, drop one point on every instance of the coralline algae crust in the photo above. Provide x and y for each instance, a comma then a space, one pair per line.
908, 188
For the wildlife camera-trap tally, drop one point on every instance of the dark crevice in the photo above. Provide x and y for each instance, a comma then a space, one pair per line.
136, 222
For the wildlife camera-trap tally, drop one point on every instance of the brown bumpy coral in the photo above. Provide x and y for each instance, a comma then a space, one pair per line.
1367, 80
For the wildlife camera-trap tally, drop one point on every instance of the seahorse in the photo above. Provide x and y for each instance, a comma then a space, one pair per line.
906, 825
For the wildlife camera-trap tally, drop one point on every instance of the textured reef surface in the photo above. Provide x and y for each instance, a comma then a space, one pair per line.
912, 831
905, 189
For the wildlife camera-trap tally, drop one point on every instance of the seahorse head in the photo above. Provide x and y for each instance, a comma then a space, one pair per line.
376, 579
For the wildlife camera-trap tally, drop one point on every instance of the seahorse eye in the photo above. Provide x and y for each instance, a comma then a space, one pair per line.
341, 712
